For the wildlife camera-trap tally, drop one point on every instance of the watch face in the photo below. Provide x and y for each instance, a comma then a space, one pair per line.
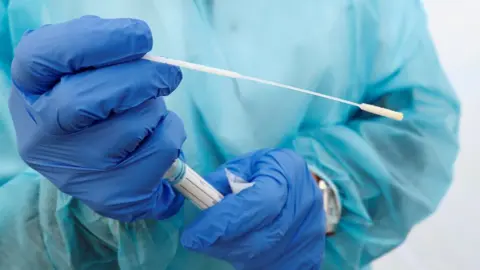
332, 207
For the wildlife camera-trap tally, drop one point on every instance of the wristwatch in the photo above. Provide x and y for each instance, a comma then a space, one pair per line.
331, 204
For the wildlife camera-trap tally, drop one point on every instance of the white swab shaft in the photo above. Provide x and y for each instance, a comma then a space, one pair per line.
226, 73
197, 67
299, 90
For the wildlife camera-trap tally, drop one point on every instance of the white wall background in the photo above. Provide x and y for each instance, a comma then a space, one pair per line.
450, 239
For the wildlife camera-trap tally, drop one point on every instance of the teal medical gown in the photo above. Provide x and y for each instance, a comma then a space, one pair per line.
390, 175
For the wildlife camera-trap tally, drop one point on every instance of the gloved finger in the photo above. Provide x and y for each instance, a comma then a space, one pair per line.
165, 143
219, 181
153, 155
249, 245
44, 55
151, 159
240, 166
83, 99
112, 142
169, 201
239, 214
164, 203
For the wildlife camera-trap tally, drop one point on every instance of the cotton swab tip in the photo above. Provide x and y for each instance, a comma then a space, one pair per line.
381, 111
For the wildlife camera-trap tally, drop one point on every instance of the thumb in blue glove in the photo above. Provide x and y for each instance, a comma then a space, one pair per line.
278, 223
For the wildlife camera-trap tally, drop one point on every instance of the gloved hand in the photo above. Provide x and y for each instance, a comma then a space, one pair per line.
278, 223
89, 115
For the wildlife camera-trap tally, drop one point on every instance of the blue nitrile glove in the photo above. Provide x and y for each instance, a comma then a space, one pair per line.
89, 115
278, 223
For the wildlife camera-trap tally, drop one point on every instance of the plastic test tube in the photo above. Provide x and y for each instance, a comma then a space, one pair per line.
192, 185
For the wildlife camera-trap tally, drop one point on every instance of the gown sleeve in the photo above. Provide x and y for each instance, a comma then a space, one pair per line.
390, 175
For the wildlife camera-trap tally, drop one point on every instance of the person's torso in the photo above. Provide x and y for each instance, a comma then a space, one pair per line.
307, 45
